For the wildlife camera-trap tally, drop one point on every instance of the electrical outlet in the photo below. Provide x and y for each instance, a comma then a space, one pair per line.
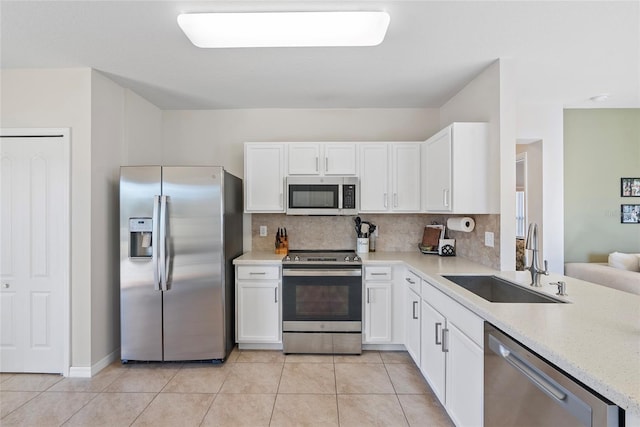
263, 231
488, 238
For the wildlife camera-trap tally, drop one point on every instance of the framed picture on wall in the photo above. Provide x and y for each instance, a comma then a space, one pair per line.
630, 214
630, 187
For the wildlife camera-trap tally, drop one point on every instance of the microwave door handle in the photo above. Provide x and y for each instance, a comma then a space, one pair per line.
340, 190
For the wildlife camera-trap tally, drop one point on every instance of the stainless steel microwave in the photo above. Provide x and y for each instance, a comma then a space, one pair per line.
322, 195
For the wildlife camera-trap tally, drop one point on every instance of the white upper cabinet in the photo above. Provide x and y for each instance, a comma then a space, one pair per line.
405, 167
390, 177
321, 159
459, 174
264, 177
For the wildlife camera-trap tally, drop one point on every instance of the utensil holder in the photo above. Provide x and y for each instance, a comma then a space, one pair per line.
362, 245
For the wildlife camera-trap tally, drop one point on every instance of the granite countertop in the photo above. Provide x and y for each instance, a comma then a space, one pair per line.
595, 337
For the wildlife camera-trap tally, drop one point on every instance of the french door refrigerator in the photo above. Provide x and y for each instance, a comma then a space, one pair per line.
180, 228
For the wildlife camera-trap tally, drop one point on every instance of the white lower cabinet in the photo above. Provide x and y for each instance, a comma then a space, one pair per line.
465, 380
378, 304
377, 312
412, 316
258, 293
452, 356
432, 358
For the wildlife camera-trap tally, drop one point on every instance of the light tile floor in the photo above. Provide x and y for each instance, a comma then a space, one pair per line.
253, 388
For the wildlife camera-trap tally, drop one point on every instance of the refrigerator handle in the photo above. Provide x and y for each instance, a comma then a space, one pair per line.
163, 243
154, 242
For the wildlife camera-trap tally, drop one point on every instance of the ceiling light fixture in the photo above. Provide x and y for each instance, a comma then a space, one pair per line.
600, 98
285, 29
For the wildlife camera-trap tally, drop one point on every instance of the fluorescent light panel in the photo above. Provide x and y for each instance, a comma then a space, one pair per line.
284, 29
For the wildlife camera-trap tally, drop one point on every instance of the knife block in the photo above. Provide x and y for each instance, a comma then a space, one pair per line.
282, 245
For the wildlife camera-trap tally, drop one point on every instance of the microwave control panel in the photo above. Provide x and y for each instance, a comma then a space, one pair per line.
348, 196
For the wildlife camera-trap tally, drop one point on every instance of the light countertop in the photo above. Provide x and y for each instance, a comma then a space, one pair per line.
595, 337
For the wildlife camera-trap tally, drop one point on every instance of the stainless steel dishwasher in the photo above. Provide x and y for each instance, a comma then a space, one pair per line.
522, 389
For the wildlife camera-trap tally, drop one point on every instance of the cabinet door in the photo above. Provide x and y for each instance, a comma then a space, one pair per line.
412, 312
304, 159
374, 178
339, 159
437, 172
378, 313
464, 379
258, 312
432, 358
264, 177
406, 177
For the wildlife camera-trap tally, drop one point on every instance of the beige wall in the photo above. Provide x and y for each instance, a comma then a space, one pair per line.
490, 97
600, 147
62, 98
107, 125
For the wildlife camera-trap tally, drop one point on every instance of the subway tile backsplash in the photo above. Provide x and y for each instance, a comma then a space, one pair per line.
397, 232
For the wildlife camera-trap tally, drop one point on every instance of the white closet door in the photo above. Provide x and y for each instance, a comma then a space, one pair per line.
34, 258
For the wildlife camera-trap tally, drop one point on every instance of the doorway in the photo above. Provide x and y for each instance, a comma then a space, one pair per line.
34, 257
528, 194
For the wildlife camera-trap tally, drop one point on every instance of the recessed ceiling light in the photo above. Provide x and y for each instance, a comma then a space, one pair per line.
600, 98
285, 29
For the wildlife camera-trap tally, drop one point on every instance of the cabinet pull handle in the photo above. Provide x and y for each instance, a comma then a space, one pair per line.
445, 197
385, 200
276, 294
378, 274
317, 167
409, 280
281, 199
445, 340
395, 200
326, 164
257, 273
438, 326
415, 316
368, 295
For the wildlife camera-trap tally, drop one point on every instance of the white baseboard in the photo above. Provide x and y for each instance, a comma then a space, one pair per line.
80, 372
260, 346
384, 347
88, 372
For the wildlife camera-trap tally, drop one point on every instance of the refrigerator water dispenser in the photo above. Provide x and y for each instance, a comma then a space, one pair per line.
140, 232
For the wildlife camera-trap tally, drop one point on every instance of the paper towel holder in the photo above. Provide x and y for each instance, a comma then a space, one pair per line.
464, 223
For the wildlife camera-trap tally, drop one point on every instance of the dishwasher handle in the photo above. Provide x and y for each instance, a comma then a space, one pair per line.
527, 370
562, 396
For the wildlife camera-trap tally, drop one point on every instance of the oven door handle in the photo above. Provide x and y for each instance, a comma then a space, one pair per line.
303, 272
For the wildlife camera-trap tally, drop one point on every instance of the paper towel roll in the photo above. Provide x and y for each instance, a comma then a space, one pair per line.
463, 223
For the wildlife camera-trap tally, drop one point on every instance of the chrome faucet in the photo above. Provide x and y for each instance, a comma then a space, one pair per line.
532, 244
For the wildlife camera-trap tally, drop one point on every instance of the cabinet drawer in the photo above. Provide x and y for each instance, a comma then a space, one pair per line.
412, 280
258, 272
378, 273
464, 319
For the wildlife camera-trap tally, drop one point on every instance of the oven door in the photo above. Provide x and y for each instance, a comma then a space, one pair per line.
322, 295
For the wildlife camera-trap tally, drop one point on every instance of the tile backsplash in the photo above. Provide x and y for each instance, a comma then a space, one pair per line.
396, 232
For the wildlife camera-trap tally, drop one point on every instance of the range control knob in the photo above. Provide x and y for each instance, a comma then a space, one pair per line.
287, 258
356, 258
347, 258
296, 258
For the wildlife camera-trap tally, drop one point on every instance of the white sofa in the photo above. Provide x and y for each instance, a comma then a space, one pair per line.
619, 273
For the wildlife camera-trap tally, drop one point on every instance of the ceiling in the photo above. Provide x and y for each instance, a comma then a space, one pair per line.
563, 52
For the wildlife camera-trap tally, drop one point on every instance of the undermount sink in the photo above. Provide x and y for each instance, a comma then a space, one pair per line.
494, 289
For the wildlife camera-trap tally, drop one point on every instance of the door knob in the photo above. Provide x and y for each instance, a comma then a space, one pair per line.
6, 285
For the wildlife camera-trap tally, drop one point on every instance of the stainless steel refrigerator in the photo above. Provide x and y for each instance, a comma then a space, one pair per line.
180, 228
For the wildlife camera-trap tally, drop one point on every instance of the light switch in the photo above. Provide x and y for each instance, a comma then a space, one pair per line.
263, 231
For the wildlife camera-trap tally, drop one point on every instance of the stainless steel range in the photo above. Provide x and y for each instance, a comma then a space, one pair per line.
322, 302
